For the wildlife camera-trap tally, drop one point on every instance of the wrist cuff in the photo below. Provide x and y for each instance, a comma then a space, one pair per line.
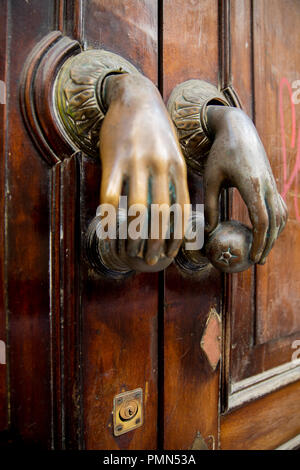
80, 95
188, 109
216, 101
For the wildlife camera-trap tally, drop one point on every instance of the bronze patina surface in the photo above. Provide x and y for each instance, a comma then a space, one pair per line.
221, 143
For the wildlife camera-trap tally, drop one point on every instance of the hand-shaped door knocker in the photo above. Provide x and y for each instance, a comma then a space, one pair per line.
97, 102
221, 143
124, 119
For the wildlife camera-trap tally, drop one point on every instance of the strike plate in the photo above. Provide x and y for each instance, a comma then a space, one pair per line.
128, 411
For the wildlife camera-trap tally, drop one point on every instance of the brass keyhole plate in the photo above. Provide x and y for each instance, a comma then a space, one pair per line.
128, 411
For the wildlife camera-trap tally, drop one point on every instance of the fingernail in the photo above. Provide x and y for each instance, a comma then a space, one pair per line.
151, 260
254, 259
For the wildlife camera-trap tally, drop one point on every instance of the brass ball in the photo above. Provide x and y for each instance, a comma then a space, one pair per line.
228, 247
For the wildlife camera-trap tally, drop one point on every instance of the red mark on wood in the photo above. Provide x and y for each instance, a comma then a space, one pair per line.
211, 339
290, 179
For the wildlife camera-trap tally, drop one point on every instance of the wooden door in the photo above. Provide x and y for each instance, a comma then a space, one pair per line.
74, 341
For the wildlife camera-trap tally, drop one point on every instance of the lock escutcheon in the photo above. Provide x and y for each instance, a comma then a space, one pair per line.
128, 411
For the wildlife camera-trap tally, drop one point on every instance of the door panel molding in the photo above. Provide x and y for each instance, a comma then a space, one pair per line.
258, 385
292, 444
264, 423
4, 368
257, 363
119, 319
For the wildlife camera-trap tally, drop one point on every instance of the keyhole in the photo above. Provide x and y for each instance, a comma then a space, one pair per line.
128, 410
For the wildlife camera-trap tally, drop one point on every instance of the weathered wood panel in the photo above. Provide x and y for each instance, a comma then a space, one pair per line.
276, 59
3, 78
190, 401
264, 424
119, 324
264, 303
28, 232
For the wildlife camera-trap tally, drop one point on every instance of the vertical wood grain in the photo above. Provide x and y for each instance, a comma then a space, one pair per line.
119, 319
190, 50
264, 303
65, 322
3, 332
263, 309
27, 256
241, 298
128, 28
264, 424
276, 58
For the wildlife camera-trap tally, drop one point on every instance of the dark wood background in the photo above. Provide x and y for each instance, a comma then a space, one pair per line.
75, 341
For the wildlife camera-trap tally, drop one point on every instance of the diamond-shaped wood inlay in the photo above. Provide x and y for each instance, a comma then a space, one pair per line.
211, 339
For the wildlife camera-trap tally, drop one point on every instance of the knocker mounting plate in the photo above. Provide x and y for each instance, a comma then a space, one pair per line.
78, 95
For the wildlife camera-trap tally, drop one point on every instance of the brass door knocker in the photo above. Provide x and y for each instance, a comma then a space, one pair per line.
220, 142
98, 103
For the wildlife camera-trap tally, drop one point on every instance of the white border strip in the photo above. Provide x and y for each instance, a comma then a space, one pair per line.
261, 384
291, 444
